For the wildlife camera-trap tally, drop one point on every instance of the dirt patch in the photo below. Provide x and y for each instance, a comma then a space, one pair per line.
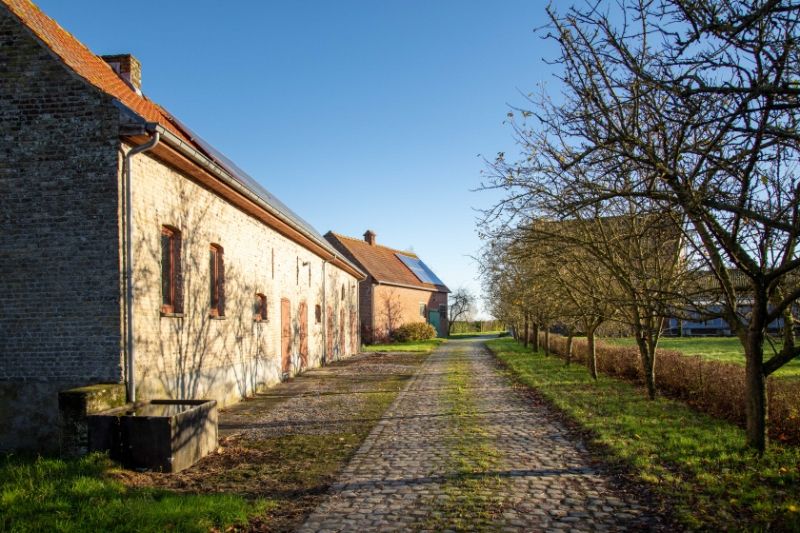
288, 444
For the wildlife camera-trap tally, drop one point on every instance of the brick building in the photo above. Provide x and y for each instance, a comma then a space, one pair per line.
399, 288
229, 290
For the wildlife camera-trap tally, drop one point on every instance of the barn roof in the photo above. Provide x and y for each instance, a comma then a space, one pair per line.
388, 265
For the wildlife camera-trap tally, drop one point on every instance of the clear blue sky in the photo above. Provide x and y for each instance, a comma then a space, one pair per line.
367, 114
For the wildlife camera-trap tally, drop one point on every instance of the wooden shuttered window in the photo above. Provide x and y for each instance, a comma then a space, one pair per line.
171, 271
217, 280
260, 308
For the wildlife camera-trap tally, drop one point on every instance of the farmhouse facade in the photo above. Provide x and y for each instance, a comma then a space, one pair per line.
399, 287
133, 252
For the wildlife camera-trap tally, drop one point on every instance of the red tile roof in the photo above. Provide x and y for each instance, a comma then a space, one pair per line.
89, 66
380, 262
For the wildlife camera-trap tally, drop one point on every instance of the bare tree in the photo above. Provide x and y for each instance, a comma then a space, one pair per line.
691, 107
461, 306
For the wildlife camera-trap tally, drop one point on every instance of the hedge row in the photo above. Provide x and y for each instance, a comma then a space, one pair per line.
712, 387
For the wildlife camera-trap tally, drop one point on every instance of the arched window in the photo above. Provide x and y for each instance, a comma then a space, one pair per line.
171, 301
217, 280
260, 308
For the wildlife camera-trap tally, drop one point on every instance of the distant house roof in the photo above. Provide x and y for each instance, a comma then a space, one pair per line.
97, 72
387, 265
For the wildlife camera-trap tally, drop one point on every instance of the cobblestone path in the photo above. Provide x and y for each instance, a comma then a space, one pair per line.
462, 449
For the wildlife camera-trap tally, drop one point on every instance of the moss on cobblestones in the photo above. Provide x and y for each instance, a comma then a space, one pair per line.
472, 500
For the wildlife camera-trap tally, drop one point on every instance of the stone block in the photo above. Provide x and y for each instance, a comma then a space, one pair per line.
74, 406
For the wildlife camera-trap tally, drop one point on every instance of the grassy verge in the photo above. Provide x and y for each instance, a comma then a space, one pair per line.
725, 349
697, 463
470, 502
411, 346
473, 334
256, 483
43, 494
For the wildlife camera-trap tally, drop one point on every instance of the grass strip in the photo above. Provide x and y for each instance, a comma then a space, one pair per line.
471, 502
411, 346
44, 494
698, 464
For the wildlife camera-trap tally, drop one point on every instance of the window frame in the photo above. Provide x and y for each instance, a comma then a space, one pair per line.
216, 272
260, 313
171, 304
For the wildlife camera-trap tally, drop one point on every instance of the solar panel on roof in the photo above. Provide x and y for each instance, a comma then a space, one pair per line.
248, 181
420, 269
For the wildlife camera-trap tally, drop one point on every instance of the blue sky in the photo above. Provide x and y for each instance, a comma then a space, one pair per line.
357, 114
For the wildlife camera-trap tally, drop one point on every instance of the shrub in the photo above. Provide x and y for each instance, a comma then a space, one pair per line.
414, 331
711, 387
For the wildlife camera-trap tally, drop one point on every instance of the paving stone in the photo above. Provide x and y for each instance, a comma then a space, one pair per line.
543, 479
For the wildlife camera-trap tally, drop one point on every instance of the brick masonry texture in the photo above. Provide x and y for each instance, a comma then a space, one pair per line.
392, 306
60, 261
58, 236
198, 356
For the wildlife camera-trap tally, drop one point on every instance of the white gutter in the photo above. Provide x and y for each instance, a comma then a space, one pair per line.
130, 363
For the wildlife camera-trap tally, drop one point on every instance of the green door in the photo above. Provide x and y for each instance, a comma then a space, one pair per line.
433, 320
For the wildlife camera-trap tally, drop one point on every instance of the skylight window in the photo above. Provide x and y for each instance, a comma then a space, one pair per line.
420, 269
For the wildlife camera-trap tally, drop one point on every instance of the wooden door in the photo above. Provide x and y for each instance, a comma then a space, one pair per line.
286, 336
354, 332
342, 330
433, 320
302, 318
329, 335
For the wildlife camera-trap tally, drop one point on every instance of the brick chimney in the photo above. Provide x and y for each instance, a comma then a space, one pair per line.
369, 237
128, 68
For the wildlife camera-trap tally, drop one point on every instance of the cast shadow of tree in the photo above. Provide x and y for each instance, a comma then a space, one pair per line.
193, 353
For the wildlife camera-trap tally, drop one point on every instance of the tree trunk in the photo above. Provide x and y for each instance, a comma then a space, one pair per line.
525, 338
756, 392
648, 365
650, 375
547, 340
591, 352
569, 347
535, 337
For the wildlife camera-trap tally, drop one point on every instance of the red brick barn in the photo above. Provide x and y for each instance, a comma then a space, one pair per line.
399, 288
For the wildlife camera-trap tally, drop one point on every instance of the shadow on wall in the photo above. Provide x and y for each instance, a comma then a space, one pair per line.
389, 315
192, 354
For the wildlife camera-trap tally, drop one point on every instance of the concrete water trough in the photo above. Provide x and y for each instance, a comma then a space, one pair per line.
159, 435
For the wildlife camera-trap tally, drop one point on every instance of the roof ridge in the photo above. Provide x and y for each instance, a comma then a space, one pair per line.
356, 239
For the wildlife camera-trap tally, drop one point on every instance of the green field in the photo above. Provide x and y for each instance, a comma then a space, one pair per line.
697, 464
725, 349
411, 346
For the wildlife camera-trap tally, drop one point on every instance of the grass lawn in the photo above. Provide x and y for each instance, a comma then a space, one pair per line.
411, 346
697, 463
40, 494
725, 349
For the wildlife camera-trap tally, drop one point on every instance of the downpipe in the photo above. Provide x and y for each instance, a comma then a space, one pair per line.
130, 359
